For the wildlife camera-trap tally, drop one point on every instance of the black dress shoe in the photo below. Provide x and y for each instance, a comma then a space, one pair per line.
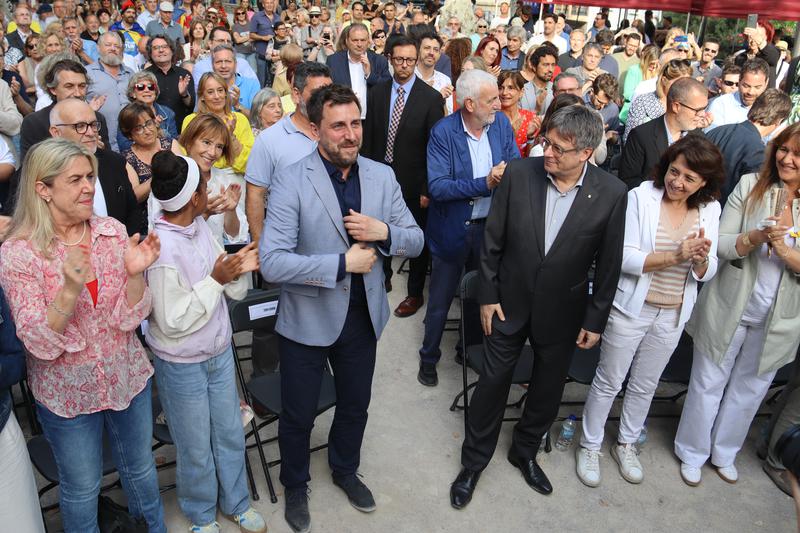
532, 472
462, 488
427, 374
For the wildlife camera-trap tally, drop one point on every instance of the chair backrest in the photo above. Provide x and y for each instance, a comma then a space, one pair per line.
470, 310
257, 310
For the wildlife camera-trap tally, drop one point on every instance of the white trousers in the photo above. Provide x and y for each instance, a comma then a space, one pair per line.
722, 401
642, 345
19, 502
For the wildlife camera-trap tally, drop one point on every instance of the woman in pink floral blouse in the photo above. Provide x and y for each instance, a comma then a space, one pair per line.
75, 285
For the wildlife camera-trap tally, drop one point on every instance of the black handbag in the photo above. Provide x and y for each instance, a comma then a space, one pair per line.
114, 518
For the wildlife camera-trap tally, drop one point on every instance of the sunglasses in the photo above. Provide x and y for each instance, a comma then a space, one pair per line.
482, 26
315, 16
143, 86
730, 83
30, 46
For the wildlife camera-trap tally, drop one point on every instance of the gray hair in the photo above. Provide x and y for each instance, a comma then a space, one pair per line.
115, 34
139, 77
470, 83
517, 32
594, 46
579, 31
579, 124
667, 54
564, 75
260, 100
222, 48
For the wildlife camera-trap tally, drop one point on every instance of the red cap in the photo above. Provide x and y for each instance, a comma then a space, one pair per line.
127, 5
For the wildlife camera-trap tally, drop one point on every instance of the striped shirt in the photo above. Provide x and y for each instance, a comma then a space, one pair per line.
667, 285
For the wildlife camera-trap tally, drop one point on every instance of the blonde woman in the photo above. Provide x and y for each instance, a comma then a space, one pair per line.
213, 97
51, 45
649, 106
646, 69
75, 285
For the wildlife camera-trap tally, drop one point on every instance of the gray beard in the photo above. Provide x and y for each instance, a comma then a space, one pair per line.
111, 60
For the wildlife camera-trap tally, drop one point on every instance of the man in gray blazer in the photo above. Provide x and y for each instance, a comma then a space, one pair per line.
331, 219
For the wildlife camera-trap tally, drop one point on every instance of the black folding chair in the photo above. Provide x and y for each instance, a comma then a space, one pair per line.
258, 310
472, 340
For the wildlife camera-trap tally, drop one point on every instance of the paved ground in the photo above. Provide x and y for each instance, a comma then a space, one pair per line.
411, 455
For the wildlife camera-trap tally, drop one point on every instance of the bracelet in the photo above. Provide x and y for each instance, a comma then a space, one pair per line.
60, 311
746, 240
700, 263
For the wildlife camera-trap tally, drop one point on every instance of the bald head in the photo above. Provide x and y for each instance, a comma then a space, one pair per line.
75, 120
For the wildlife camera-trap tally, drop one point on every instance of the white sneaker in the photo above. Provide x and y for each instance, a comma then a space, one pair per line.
629, 465
728, 474
691, 474
588, 466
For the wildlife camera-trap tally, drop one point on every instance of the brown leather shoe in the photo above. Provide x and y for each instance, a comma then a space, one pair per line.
409, 306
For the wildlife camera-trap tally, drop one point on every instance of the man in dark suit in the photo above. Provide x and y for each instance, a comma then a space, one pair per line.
551, 218
742, 144
65, 79
73, 119
330, 217
409, 116
687, 100
467, 153
358, 67
23, 18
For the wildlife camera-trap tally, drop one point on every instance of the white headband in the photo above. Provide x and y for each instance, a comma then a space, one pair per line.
182, 198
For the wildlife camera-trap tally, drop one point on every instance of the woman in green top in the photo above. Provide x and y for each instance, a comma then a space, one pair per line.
646, 69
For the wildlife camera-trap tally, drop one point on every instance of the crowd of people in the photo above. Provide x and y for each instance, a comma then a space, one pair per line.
656, 191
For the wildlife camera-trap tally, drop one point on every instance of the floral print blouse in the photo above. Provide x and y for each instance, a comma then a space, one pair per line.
98, 362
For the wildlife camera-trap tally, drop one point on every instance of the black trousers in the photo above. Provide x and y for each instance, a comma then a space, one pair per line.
352, 358
418, 266
550, 366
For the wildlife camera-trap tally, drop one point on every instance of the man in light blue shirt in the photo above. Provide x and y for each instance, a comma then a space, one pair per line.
283, 143
109, 80
220, 36
224, 62
732, 108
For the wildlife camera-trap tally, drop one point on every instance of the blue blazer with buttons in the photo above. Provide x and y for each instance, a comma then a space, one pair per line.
451, 186
304, 235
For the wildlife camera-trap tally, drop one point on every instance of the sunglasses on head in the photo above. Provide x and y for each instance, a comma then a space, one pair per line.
143, 86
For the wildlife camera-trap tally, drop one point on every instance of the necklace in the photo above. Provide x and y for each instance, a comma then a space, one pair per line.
78, 241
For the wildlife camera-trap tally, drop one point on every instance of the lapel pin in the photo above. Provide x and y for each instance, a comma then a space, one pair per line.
588, 195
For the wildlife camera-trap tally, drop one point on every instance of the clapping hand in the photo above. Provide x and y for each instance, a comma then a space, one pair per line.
695, 245
77, 268
249, 255
97, 102
14, 86
226, 200
183, 81
495, 175
494, 71
140, 255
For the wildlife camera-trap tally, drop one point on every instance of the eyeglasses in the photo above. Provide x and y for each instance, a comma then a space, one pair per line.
158, 47
82, 127
141, 127
143, 86
697, 111
730, 83
556, 148
404, 60
710, 50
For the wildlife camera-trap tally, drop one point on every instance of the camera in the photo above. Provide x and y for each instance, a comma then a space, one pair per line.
788, 450
326, 36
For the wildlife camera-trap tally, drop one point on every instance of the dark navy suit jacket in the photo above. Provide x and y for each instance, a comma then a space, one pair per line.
340, 71
742, 150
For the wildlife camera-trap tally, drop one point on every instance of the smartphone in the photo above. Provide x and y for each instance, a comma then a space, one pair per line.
326, 36
752, 20
681, 39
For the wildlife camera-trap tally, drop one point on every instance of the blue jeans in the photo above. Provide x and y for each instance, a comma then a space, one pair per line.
445, 277
263, 70
202, 408
77, 445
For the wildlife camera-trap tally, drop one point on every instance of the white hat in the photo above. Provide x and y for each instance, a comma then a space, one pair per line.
166, 7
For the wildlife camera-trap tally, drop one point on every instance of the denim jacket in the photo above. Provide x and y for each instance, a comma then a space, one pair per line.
12, 359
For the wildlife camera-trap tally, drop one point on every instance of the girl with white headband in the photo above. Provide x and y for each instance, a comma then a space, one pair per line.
190, 334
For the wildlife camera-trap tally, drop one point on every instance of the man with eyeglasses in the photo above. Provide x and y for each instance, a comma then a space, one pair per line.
732, 108
467, 154
65, 79
175, 85
164, 25
399, 120
358, 67
74, 120
553, 219
706, 70
686, 114
218, 37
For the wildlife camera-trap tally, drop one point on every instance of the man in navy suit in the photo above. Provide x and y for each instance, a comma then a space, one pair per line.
467, 154
358, 67
331, 219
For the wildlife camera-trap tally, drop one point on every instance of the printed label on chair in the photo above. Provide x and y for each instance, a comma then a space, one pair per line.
263, 310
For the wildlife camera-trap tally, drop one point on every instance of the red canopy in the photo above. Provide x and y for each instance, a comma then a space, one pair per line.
770, 9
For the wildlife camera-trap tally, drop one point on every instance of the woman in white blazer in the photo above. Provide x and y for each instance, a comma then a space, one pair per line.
671, 229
